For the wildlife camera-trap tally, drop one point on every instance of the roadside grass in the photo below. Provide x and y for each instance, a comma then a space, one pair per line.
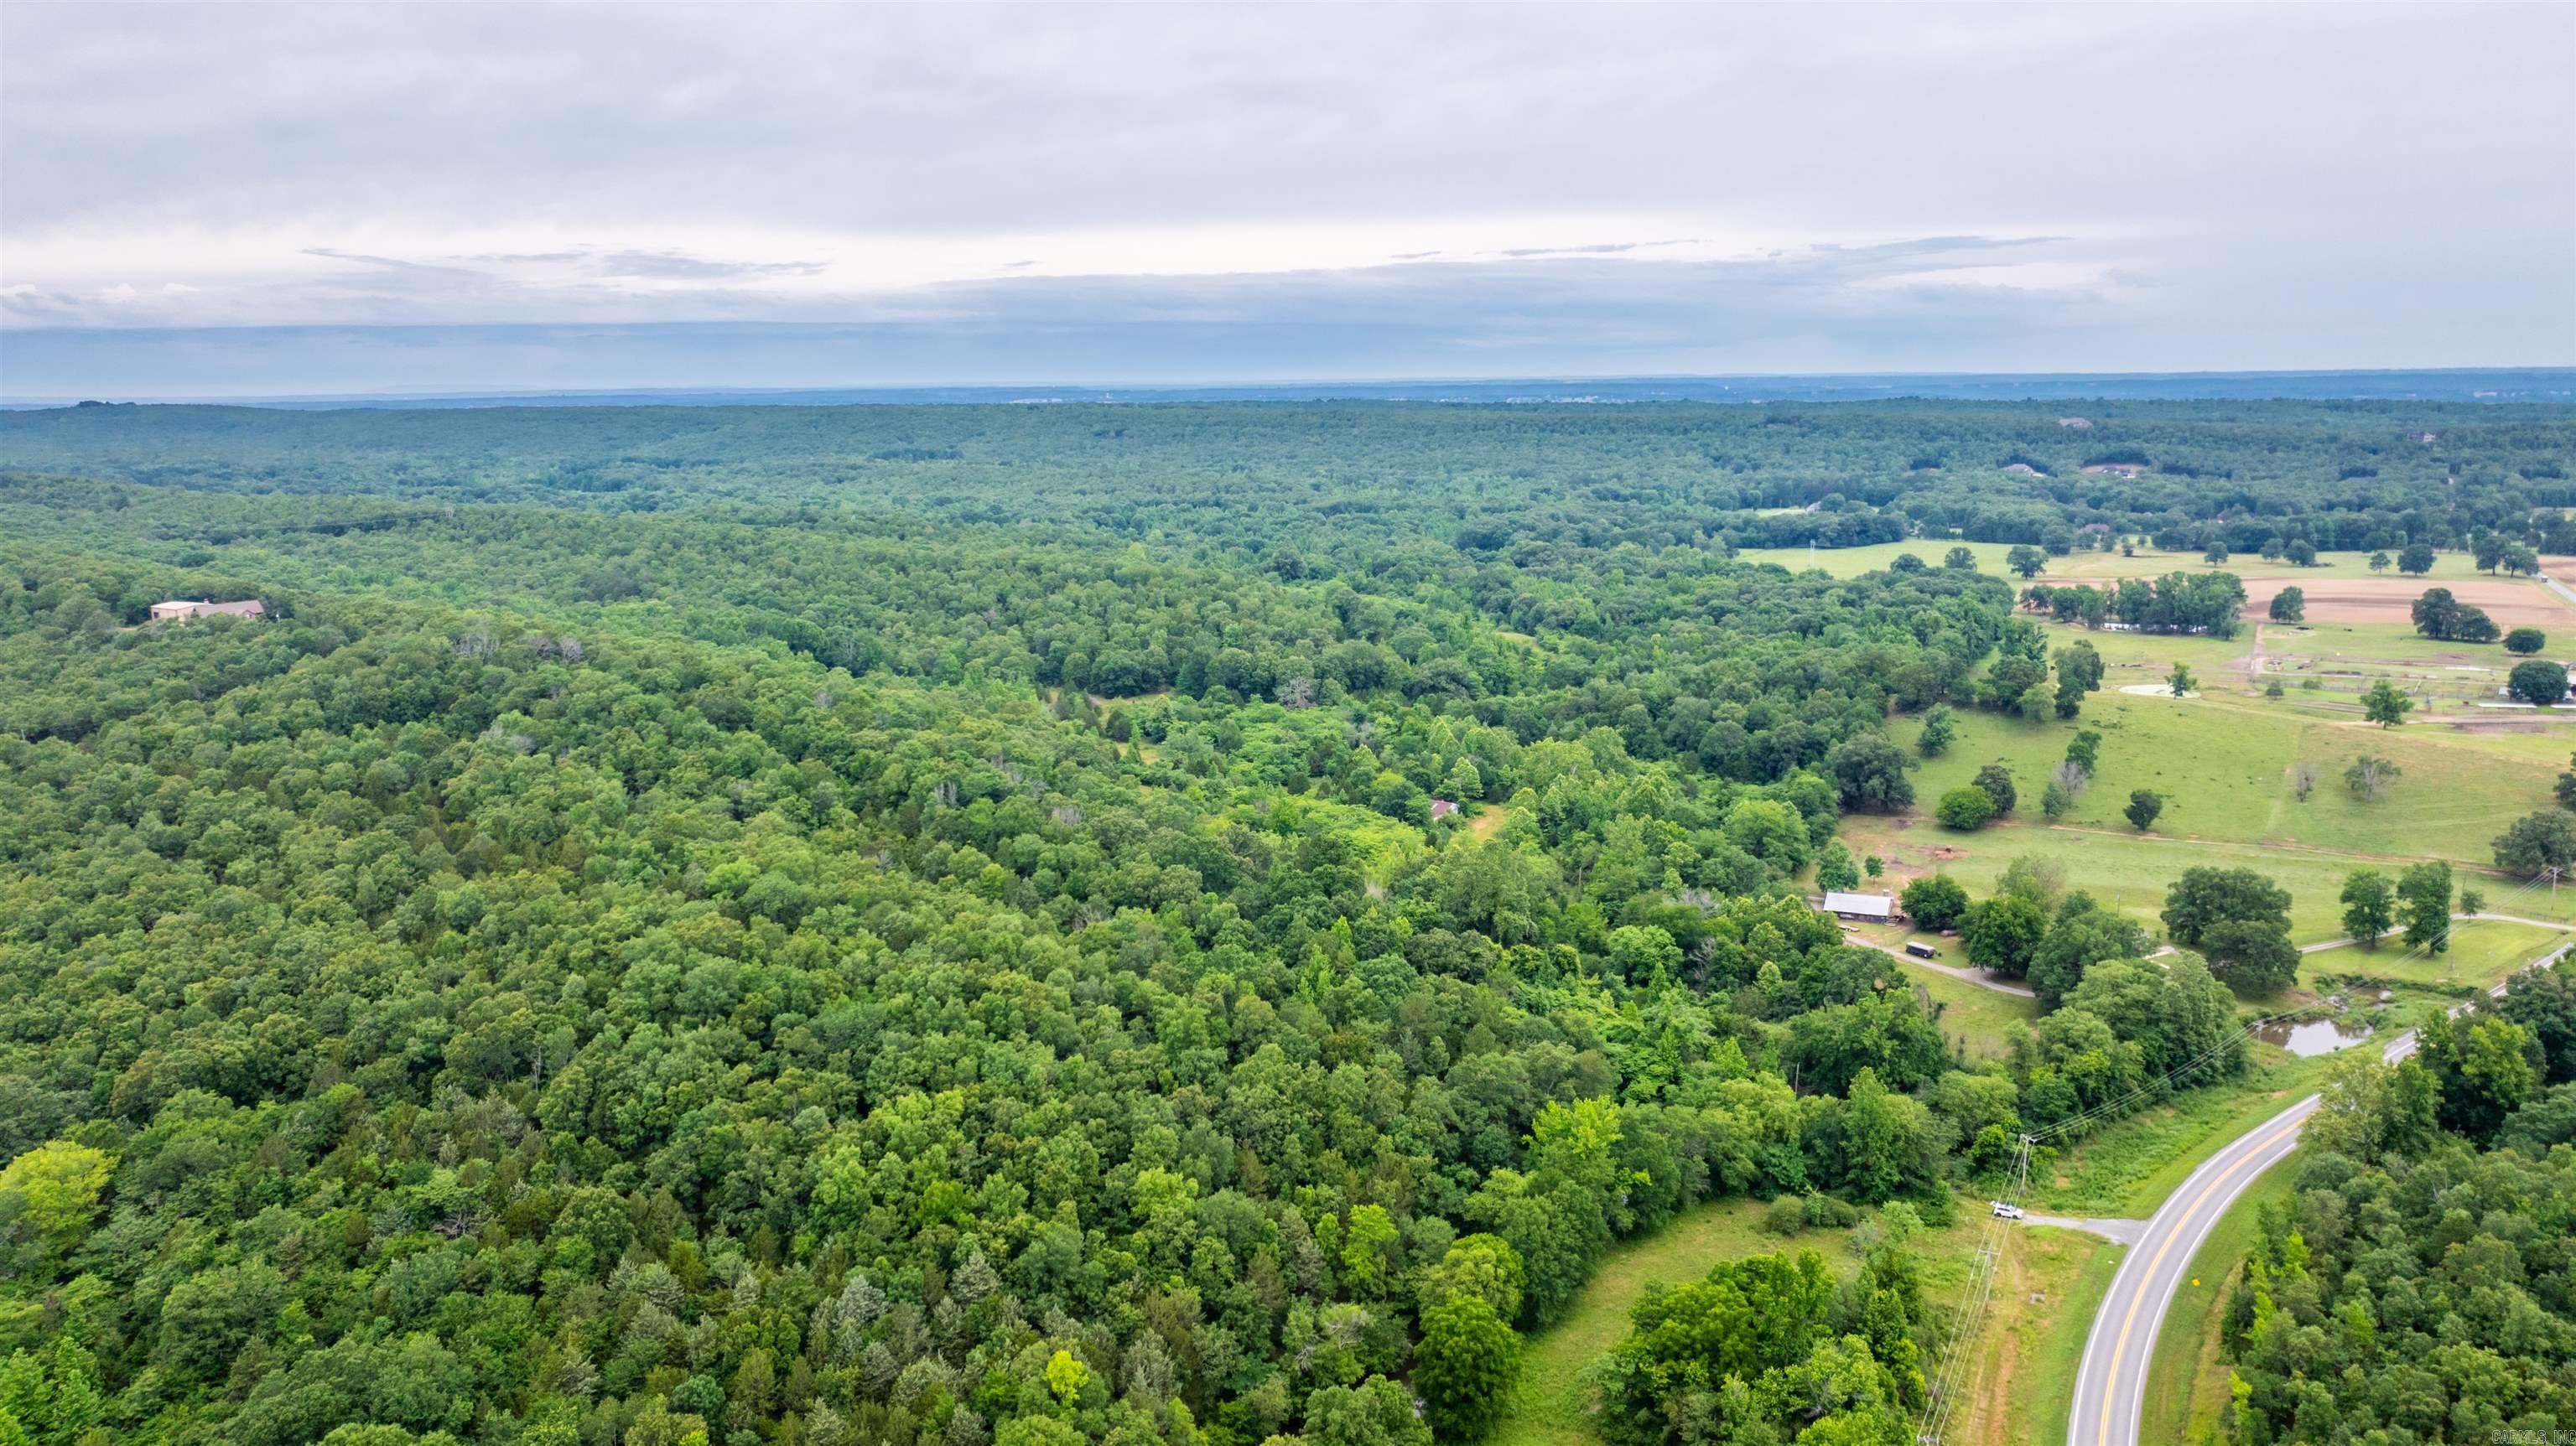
2021, 1382
2186, 1391
2022, 1345
2225, 770
1549, 1405
2127, 1168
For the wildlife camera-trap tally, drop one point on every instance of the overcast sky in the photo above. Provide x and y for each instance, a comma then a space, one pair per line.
458, 196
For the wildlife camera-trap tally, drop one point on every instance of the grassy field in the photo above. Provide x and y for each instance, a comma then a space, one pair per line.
2132, 872
2021, 1382
2225, 769
1975, 1020
2094, 567
2027, 1348
2186, 1381
2482, 953
2325, 666
1548, 1407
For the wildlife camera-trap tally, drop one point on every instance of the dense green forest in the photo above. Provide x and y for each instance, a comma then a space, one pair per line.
1344, 481
1007, 926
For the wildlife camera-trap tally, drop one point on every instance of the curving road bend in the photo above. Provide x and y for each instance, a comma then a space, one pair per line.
2111, 1384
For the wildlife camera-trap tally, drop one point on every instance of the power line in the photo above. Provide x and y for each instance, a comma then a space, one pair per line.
1950, 1366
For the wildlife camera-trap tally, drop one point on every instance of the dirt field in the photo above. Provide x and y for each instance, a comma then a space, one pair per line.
2512, 602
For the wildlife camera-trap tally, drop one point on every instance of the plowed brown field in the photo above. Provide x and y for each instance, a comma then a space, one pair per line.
2510, 601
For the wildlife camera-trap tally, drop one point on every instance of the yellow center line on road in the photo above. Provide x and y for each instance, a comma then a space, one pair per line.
2120, 1348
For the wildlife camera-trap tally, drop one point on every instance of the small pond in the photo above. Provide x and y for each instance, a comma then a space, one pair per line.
2315, 1037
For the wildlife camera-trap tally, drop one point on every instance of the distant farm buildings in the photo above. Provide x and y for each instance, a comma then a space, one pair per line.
2076, 424
1861, 908
180, 610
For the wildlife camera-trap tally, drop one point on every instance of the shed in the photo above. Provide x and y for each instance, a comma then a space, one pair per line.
1867, 908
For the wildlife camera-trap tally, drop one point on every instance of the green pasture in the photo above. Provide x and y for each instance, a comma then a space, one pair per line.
2096, 567
2225, 770
2482, 952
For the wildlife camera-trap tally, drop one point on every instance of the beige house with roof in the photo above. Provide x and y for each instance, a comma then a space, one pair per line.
180, 610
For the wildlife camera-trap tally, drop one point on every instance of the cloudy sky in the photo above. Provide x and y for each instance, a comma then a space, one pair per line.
209, 199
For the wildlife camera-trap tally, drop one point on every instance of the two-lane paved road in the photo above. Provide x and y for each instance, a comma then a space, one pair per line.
2111, 1385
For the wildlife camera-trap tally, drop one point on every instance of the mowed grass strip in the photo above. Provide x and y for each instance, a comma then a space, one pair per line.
2020, 1382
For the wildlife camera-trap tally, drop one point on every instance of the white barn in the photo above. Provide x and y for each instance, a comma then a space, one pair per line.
1865, 908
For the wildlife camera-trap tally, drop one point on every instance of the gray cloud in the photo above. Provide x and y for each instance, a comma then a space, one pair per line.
671, 265
1759, 187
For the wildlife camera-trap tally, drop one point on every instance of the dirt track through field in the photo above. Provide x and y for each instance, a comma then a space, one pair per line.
2512, 602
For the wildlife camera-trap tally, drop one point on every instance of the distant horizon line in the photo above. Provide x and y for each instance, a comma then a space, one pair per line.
1303, 388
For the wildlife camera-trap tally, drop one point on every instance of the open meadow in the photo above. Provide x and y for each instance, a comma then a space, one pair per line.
2229, 771
2450, 566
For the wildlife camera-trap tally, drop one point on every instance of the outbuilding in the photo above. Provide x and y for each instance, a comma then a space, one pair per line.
180, 610
1862, 908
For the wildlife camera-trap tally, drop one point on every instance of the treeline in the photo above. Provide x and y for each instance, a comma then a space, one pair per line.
1748, 671
2178, 602
1343, 479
